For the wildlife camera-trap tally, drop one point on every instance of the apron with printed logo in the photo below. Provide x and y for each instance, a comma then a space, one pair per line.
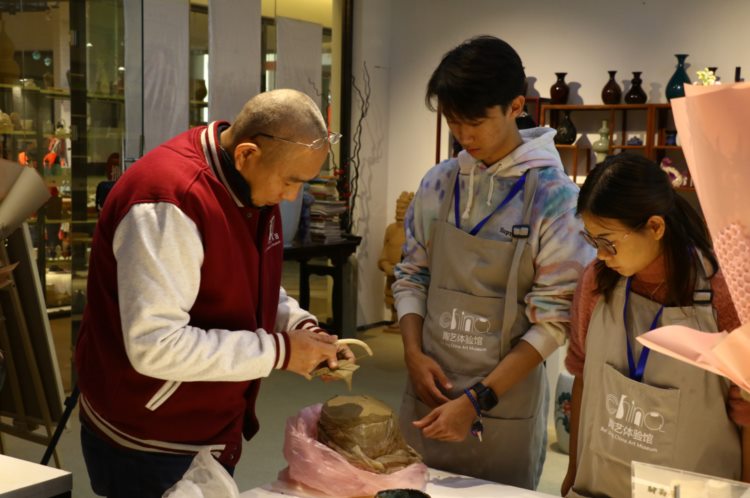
475, 315
647, 407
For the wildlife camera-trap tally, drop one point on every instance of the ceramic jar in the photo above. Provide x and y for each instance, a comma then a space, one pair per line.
635, 94
611, 93
559, 90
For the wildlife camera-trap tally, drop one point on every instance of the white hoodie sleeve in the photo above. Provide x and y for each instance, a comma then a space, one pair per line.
291, 316
412, 274
159, 254
559, 262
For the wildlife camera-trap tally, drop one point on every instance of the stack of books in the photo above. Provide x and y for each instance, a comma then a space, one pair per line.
325, 212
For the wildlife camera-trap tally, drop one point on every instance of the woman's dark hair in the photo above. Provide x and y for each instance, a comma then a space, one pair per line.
631, 189
478, 74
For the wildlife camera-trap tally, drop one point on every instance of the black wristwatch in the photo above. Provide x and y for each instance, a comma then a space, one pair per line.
485, 396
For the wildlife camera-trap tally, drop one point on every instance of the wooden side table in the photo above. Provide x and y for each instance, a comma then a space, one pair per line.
338, 253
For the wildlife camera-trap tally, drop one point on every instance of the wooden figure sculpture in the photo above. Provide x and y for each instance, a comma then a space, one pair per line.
391, 254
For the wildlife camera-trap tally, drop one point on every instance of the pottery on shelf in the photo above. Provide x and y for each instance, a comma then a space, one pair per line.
198, 89
680, 78
634, 140
563, 408
566, 131
559, 91
670, 137
601, 146
635, 94
611, 93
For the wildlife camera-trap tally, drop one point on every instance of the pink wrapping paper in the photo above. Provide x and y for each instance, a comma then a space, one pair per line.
713, 123
315, 470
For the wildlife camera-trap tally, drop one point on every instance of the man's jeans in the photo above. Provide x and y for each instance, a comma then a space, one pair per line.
122, 473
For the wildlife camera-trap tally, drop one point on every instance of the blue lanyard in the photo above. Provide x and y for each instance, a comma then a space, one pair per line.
636, 373
457, 201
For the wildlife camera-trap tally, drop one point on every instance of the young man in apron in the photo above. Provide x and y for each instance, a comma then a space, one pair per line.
491, 260
655, 267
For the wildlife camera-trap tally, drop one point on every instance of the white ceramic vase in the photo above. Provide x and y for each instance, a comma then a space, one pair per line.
563, 399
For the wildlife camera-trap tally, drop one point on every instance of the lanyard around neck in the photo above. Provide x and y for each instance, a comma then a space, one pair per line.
636, 372
457, 201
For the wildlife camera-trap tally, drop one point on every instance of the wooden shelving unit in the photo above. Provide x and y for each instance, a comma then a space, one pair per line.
658, 120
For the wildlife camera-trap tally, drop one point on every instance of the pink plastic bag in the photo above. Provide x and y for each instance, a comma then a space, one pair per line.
316, 466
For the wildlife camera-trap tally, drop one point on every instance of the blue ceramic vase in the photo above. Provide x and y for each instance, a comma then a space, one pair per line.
680, 78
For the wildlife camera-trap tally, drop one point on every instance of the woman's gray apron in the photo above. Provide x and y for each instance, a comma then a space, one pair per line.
475, 315
675, 417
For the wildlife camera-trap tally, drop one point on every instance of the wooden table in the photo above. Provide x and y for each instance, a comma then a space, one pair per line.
22, 479
338, 253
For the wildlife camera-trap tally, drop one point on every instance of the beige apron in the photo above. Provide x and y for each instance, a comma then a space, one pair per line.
675, 417
475, 315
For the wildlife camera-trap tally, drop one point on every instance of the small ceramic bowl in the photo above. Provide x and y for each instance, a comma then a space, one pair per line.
401, 493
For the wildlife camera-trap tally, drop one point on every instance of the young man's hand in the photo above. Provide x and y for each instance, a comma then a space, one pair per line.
450, 421
426, 375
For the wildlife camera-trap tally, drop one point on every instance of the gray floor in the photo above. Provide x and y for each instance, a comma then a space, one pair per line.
282, 395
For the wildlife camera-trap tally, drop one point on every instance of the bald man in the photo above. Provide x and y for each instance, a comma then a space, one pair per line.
185, 310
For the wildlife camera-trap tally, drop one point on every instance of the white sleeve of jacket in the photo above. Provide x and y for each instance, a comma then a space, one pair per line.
290, 316
413, 272
159, 254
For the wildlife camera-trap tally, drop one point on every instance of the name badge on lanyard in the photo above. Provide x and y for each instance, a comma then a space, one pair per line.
457, 201
636, 372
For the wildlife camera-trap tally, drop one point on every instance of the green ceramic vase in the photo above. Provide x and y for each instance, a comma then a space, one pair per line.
680, 78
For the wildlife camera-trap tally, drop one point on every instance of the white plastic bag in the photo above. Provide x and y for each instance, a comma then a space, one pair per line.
205, 478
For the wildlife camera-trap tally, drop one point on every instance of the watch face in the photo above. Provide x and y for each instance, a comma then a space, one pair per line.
485, 396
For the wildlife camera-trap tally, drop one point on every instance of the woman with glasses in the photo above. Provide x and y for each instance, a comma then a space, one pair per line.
655, 266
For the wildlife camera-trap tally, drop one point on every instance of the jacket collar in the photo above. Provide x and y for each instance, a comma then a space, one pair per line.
222, 164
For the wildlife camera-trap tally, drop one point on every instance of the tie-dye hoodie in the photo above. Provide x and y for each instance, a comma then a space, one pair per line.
559, 252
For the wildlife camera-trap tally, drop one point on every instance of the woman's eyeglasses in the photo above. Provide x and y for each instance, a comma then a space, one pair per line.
605, 244
332, 138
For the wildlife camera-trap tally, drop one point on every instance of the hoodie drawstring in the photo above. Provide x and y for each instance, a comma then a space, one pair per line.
492, 184
470, 201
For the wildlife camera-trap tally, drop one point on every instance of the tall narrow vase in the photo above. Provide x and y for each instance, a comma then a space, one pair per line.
680, 78
611, 93
636, 95
559, 91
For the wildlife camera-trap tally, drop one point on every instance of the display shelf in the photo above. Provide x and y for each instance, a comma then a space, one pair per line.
658, 123
59, 93
105, 97
595, 107
20, 133
18, 87
628, 147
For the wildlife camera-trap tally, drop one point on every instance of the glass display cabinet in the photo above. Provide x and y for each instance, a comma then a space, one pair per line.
62, 113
